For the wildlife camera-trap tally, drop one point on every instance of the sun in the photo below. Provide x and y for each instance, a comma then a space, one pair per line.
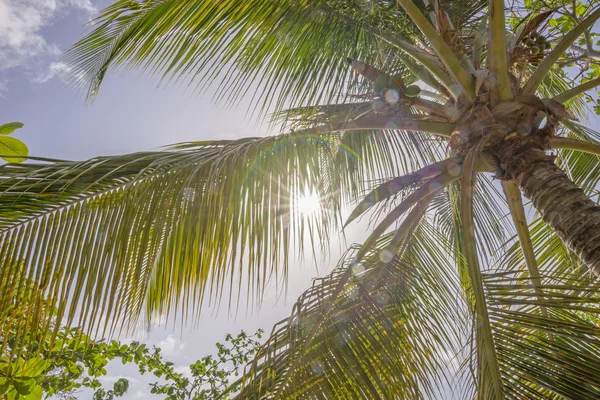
308, 203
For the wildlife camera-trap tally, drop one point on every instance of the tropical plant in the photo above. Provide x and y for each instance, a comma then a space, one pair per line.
207, 378
210, 377
60, 362
464, 294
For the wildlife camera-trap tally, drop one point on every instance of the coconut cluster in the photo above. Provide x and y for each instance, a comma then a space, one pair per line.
530, 50
536, 44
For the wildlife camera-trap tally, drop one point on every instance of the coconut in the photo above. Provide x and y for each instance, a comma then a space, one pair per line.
380, 84
540, 39
534, 50
412, 91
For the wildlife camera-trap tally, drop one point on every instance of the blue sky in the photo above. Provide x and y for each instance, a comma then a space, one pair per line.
131, 114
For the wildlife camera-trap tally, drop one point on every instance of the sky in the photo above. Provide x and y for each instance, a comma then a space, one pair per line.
130, 114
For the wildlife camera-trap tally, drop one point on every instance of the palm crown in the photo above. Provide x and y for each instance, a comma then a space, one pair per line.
427, 102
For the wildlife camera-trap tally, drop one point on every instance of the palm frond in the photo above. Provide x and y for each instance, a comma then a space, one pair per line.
557, 82
269, 51
578, 154
272, 47
552, 256
492, 230
393, 186
458, 72
498, 59
553, 356
429, 188
488, 373
158, 229
371, 339
584, 87
517, 212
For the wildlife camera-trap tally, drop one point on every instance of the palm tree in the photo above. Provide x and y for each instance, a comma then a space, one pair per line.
453, 297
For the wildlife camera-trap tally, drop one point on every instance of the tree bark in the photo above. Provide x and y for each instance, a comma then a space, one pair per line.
562, 204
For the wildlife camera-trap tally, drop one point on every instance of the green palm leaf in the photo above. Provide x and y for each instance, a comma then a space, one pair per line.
198, 40
269, 50
535, 365
160, 225
372, 337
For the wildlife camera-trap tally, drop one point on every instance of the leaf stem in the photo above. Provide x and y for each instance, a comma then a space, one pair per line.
574, 144
458, 72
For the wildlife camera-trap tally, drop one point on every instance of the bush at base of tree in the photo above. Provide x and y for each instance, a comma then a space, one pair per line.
54, 361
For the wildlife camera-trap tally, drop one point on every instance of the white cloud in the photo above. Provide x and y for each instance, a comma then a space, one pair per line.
85, 5
3, 88
171, 346
59, 70
21, 22
140, 394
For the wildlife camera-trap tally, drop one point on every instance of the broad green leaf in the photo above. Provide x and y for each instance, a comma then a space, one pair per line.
4, 385
35, 394
34, 367
13, 150
23, 386
9, 128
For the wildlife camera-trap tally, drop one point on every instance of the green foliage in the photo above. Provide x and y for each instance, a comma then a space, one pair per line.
60, 361
9, 128
568, 14
12, 150
120, 387
210, 376
51, 361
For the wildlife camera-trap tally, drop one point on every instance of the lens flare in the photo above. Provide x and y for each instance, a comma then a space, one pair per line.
308, 204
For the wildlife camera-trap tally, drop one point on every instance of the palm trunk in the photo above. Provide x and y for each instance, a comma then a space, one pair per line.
563, 205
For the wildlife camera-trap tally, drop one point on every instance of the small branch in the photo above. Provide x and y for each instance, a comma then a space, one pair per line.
589, 53
588, 41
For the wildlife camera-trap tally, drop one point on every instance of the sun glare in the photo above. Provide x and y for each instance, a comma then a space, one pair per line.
308, 203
